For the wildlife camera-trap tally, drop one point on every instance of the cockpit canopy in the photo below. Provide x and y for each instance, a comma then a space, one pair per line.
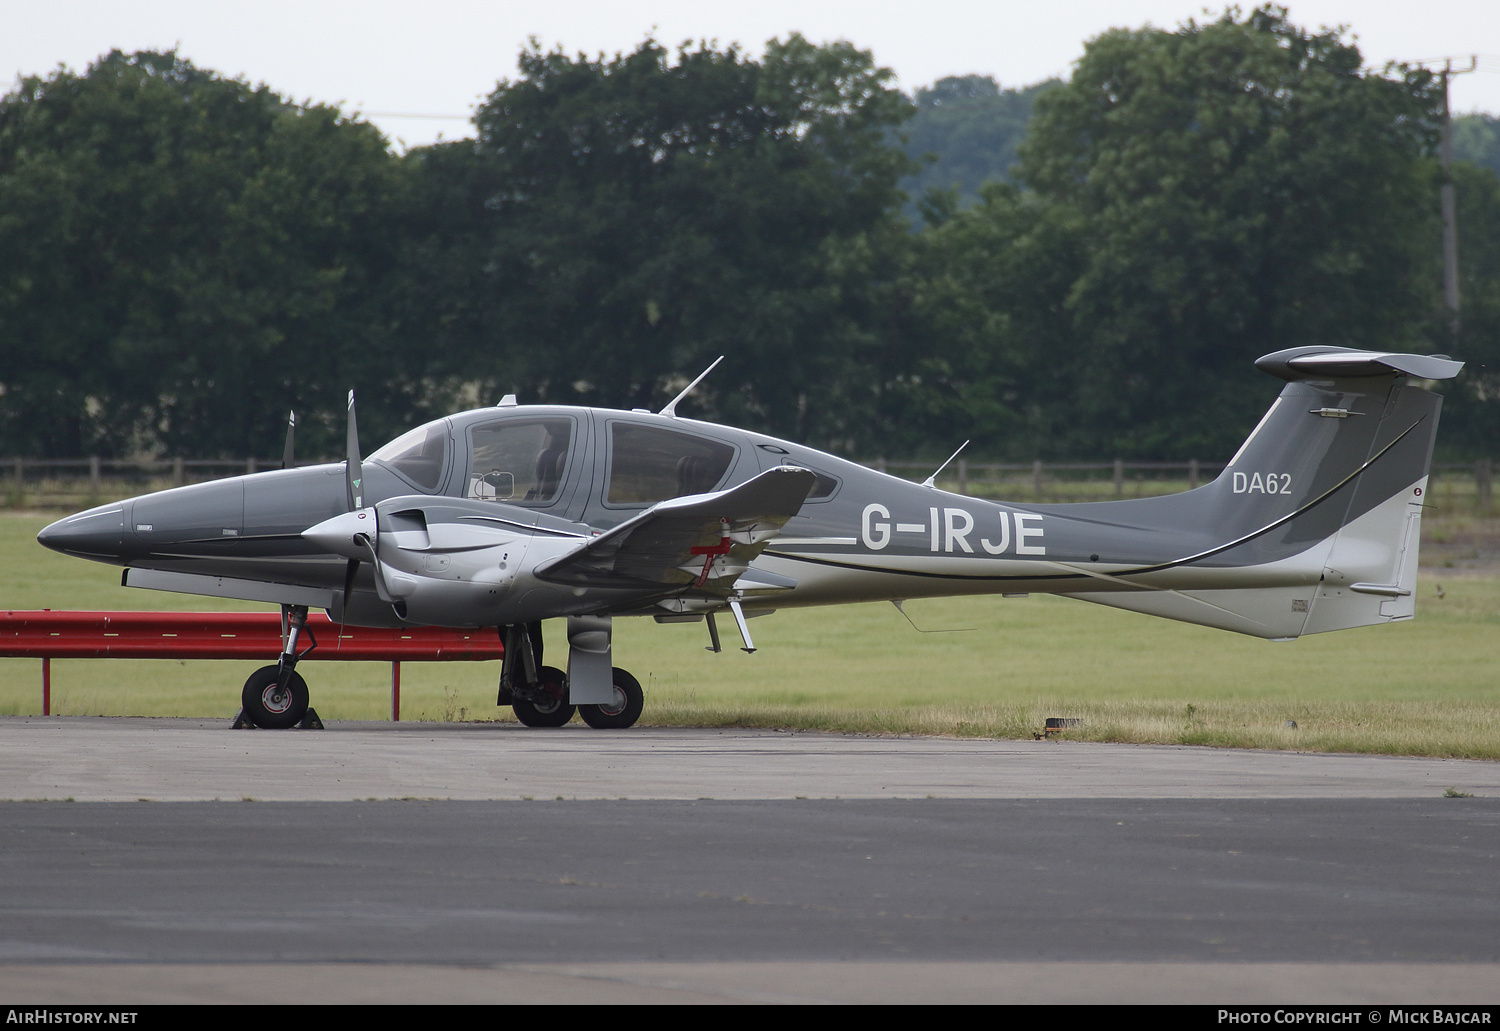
586, 464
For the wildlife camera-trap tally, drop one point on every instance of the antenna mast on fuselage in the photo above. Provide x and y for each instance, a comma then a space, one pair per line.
671, 410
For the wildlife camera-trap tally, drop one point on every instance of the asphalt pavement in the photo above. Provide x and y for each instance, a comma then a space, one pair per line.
176, 860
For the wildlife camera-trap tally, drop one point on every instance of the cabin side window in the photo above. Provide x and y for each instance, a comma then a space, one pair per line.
519, 461
824, 488
648, 464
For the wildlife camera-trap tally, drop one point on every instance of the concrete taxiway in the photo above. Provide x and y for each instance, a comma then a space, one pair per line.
490, 863
124, 760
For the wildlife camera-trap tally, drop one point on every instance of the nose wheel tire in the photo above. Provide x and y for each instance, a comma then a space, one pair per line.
272, 707
552, 711
626, 708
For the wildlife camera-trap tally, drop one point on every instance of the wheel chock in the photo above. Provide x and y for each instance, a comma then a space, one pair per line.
310, 721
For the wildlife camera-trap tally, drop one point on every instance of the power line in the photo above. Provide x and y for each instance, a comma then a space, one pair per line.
406, 114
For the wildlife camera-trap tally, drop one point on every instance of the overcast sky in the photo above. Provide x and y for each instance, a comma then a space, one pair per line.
392, 60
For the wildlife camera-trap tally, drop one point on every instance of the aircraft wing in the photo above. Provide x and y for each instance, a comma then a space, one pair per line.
703, 540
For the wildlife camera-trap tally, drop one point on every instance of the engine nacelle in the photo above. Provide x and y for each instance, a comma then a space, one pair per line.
446, 561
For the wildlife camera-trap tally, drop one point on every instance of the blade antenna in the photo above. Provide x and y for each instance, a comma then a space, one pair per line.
933, 478
353, 471
291, 431
671, 410
898, 602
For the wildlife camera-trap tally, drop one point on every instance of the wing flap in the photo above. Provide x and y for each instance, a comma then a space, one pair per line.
703, 539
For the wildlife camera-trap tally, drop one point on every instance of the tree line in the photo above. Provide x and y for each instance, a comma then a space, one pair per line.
185, 257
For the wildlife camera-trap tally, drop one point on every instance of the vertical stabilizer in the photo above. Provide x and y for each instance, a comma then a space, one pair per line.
1319, 512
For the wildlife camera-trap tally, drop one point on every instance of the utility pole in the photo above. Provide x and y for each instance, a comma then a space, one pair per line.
1449, 202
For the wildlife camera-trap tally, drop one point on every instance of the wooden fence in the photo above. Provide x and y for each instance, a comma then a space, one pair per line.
1455, 488
74, 482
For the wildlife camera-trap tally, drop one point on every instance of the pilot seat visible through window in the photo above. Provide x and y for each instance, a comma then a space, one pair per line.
519, 461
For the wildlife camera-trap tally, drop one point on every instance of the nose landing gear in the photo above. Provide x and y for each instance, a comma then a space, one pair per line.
275, 697
272, 705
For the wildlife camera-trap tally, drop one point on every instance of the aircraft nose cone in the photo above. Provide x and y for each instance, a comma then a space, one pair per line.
337, 534
97, 533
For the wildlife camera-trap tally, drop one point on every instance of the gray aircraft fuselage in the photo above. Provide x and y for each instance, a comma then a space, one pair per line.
1331, 452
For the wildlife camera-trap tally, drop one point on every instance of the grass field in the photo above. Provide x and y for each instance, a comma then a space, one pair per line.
1426, 687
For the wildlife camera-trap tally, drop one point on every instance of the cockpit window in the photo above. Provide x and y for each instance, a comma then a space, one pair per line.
519, 460
648, 464
419, 455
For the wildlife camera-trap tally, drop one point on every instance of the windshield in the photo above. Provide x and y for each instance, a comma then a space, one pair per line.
419, 455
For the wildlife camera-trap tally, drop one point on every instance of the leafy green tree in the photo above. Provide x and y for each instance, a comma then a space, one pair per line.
1198, 198
620, 222
979, 310
1476, 138
183, 257
971, 131
1471, 412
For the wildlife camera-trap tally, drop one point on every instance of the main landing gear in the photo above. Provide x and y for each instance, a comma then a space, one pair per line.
275, 697
544, 703
623, 711
540, 695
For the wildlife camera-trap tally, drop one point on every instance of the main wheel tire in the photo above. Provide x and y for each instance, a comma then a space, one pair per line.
554, 712
273, 708
623, 711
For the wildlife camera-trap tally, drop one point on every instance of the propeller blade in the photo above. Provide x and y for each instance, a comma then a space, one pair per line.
349, 575
353, 471
380, 588
291, 429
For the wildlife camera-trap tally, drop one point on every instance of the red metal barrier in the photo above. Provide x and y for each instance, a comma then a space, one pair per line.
227, 635
48, 635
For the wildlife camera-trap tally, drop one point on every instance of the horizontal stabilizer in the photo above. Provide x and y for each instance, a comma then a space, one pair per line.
1346, 362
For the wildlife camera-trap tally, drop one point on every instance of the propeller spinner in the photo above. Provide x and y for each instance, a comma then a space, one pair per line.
356, 533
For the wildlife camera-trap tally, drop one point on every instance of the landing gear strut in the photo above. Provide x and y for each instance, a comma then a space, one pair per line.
546, 702
537, 693
275, 697
542, 695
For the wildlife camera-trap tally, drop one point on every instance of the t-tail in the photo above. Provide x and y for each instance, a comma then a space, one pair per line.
1314, 525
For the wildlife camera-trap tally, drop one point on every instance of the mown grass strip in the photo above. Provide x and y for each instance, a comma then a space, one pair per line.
1426, 687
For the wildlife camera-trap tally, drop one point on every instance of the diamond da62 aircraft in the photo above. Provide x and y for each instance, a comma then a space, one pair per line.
507, 516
